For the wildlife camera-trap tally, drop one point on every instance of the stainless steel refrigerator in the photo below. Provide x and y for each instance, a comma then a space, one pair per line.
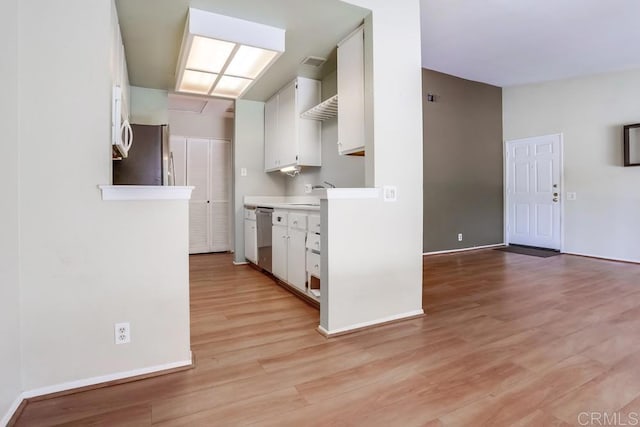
148, 160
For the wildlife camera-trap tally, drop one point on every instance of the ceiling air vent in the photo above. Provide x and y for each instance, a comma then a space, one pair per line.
314, 61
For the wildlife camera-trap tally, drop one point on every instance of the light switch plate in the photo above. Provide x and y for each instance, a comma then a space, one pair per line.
243, 171
390, 193
571, 195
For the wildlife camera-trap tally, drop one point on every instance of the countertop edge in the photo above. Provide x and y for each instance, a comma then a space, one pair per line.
145, 192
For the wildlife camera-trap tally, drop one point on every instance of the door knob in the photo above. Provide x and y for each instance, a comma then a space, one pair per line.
555, 199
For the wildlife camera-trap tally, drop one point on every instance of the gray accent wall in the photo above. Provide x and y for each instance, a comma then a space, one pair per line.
463, 166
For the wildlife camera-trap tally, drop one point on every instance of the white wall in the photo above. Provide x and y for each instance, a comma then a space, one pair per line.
200, 125
10, 382
86, 263
342, 171
248, 152
384, 281
590, 112
149, 106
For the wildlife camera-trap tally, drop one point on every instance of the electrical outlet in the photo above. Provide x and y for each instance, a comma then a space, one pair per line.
390, 193
243, 171
459, 237
308, 188
122, 333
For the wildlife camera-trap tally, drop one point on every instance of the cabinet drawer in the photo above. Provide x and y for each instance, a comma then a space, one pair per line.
280, 217
313, 264
313, 242
314, 224
249, 214
298, 220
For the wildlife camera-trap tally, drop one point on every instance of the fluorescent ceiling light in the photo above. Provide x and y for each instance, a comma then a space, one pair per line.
249, 62
208, 54
223, 56
197, 82
231, 86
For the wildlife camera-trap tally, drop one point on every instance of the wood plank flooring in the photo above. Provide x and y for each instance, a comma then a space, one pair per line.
508, 340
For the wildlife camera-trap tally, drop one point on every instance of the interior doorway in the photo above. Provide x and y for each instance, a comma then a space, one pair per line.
201, 155
533, 176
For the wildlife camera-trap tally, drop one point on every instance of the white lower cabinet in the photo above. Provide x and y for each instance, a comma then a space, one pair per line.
289, 235
296, 271
279, 252
250, 241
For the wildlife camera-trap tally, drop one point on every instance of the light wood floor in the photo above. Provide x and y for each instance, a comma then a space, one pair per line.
508, 340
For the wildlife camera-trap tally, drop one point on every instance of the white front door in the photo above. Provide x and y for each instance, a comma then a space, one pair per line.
533, 191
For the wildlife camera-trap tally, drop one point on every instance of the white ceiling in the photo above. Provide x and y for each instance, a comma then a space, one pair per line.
201, 105
152, 33
511, 42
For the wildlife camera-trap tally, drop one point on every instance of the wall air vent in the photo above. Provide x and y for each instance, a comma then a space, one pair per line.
314, 61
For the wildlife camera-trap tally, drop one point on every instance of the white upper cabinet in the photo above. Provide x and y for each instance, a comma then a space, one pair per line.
119, 72
289, 139
351, 122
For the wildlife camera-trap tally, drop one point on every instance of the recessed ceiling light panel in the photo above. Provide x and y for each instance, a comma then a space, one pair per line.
223, 56
249, 62
231, 87
196, 82
208, 54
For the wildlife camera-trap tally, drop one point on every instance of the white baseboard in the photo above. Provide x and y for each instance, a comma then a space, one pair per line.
472, 248
103, 379
240, 263
12, 410
362, 325
630, 261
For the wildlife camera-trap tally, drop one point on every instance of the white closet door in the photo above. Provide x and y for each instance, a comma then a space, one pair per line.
178, 151
220, 195
199, 205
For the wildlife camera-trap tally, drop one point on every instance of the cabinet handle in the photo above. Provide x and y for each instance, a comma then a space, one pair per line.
295, 222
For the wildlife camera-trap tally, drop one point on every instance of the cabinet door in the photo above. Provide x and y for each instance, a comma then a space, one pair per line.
279, 252
296, 262
250, 241
351, 93
287, 131
220, 195
199, 205
271, 134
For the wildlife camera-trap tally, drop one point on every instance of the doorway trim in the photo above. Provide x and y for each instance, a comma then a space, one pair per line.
505, 178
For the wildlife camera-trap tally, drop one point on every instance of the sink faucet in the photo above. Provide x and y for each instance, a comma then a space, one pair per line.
329, 185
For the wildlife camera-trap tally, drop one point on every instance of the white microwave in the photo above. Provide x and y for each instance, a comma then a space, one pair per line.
121, 133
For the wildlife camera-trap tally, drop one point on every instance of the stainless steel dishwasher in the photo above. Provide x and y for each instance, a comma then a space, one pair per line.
263, 220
